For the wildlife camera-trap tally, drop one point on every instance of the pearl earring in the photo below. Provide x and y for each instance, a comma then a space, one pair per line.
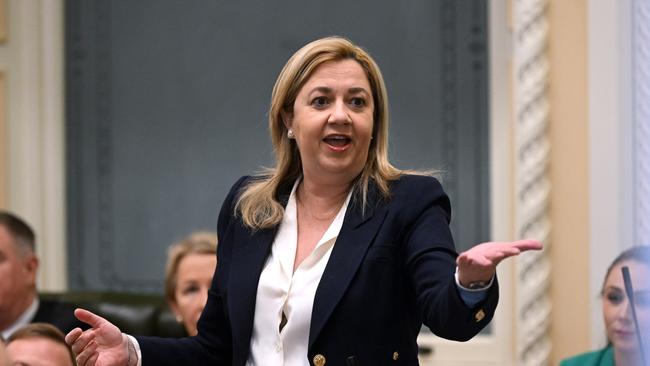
290, 134
179, 318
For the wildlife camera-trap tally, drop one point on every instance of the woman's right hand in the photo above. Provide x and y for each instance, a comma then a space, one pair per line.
102, 345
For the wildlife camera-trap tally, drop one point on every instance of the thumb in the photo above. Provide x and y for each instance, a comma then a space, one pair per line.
89, 318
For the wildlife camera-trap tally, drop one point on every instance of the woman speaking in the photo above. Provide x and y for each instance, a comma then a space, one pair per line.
334, 256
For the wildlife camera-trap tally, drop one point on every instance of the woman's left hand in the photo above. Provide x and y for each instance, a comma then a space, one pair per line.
479, 264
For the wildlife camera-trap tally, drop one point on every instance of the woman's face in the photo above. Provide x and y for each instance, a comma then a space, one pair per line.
332, 121
193, 280
616, 308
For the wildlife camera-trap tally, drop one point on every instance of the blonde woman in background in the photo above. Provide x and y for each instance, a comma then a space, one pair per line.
190, 267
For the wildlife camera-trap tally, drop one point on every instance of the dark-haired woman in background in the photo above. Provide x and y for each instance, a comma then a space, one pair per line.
623, 348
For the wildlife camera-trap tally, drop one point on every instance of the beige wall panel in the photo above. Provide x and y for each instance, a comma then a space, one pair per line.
3, 21
569, 174
3, 143
35, 130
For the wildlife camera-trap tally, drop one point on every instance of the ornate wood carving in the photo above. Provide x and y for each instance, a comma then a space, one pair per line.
531, 107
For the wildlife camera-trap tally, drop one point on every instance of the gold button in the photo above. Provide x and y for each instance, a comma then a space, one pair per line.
479, 315
395, 356
319, 360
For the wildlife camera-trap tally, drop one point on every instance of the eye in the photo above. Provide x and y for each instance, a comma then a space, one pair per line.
319, 102
190, 289
614, 297
357, 102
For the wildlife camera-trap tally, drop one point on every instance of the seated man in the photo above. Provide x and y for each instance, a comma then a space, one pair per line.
19, 303
39, 344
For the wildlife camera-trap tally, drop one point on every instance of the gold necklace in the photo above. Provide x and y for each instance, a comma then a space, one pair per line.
328, 217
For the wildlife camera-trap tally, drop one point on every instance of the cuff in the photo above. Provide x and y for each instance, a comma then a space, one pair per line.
136, 345
472, 297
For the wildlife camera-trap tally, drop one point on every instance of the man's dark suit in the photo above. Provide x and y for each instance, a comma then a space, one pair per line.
59, 314
391, 269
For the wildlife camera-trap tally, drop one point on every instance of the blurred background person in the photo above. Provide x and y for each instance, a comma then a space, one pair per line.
39, 344
190, 266
19, 302
622, 348
4, 361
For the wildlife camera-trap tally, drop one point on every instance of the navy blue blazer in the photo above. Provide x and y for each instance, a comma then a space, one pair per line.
390, 271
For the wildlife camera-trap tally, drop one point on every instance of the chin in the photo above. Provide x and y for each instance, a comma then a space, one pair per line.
626, 345
341, 167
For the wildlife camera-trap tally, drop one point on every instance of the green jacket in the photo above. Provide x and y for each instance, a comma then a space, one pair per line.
603, 357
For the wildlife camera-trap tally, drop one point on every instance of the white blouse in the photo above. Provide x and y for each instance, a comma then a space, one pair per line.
281, 290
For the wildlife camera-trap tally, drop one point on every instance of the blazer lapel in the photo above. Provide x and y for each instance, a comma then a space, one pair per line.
358, 231
249, 255
250, 250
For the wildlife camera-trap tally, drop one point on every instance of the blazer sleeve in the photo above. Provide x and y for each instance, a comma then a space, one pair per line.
213, 344
431, 263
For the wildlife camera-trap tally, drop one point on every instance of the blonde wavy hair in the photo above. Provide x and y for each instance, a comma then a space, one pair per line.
258, 204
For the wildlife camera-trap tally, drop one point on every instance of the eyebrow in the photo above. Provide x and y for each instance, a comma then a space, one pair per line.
639, 292
358, 90
327, 90
612, 288
322, 89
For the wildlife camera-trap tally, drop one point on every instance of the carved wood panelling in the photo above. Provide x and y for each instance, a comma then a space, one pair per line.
532, 149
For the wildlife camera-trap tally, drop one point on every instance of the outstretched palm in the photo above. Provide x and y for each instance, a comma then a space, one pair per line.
480, 262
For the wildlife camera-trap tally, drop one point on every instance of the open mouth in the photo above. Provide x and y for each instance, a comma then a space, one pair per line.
337, 141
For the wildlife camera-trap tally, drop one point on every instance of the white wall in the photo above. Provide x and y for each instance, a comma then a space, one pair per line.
611, 124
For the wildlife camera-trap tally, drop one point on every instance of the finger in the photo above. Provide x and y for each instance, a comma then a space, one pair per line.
490, 257
84, 356
502, 253
89, 318
93, 359
82, 341
506, 250
73, 335
528, 244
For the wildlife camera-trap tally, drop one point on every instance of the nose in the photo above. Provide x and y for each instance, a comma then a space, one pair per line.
624, 310
340, 114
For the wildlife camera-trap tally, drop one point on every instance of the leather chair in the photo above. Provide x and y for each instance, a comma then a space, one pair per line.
138, 314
